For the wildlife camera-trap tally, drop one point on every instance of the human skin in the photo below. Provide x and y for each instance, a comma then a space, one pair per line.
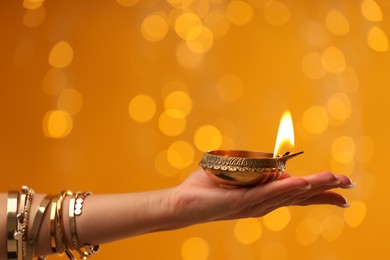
196, 200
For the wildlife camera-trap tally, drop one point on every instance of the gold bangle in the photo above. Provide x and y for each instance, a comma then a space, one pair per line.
36, 226
59, 218
12, 224
53, 210
75, 209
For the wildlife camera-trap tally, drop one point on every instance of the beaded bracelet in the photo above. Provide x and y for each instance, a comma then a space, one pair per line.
12, 224
75, 209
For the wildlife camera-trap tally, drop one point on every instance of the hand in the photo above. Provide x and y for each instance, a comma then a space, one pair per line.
198, 199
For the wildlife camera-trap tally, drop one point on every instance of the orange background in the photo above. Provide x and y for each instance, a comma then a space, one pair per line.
125, 96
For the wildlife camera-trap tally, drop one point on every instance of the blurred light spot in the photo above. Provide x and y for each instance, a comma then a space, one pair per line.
188, 26
172, 122
54, 81
276, 13
307, 231
142, 108
344, 168
181, 4
187, 58
178, 102
259, 3
355, 214
70, 100
277, 219
154, 27
180, 154
332, 227
127, 3
207, 137
348, 80
274, 251
163, 166
195, 248
364, 149
315, 120
371, 11
203, 42
24, 55
230, 87
333, 60
339, 107
239, 12
336, 22
57, 124
218, 23
32, 4
377, 39
35, 17
343, 149
312, 66
248, 230
61, 55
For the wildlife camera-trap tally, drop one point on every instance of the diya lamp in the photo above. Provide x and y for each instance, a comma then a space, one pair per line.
240, 168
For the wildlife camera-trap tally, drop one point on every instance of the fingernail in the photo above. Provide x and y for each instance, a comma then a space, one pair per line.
345, 205
336, 182
350, 186
307, 187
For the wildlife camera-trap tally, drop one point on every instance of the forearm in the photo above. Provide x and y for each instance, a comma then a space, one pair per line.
104, 218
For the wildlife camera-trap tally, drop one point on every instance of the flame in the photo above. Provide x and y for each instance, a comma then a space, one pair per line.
285, 138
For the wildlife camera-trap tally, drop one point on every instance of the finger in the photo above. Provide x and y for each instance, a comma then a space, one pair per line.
327, 197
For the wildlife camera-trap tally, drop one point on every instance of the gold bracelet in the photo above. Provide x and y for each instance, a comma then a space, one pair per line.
12, 224
59, 218
36, 226
53, 241
75, 209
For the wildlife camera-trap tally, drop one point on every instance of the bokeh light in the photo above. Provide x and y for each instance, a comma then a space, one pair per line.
230, 87
332, 227
54, 81
333, 60
377, 39
35, 17
180, 154
339, 107
57, 124
312, 66
277, 219
195, 248
70, 100
154, 27
142, 108
336, 22
315, 120
208, 137
239, 12
178, 104
276, 13
343, 149
307, 231
171, 122
61, 55
248, 231
371, 10
355, 214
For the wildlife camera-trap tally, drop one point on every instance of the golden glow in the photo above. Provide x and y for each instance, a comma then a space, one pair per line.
178, 104
35, 17
208, 137
343, 149
70, 100
57, 124
307, 231
61, 55
348, 80
187, 58
371, 11
355, 214
273, 251
277, 219
377, 39
315, 120
336, 22
32, 4
248, 231
154, 27
217, 22
364, 149
180, 154
203, 42
172, 122
163, 166
285, 138
239, 12
332, 227
276, 13
188, 26
339, 107
195, 248
54, 81
333, 60
142, 108
127, 3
